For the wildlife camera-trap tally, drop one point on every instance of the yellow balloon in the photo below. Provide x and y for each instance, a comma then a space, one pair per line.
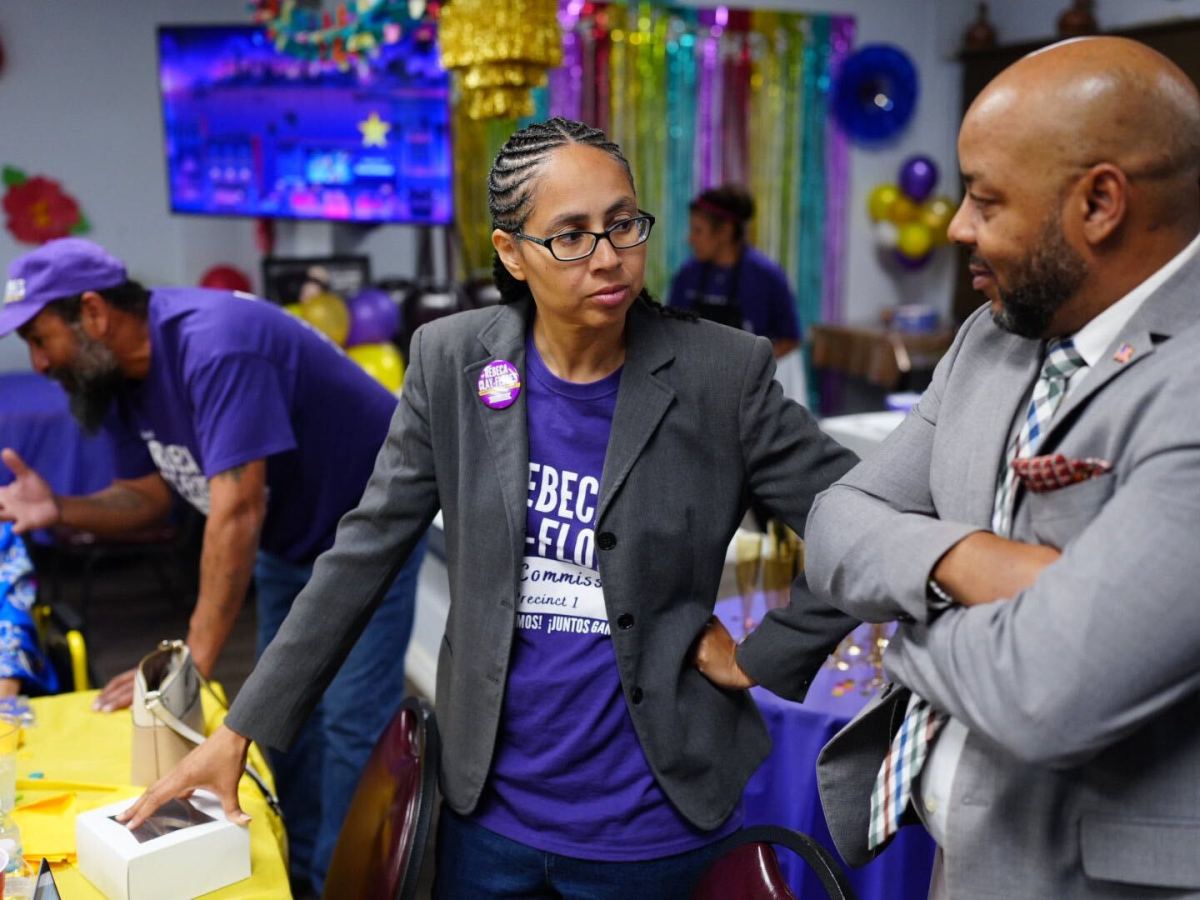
914, 240
327, 313
879, 203
293, 309
382, 362
903, 210
936, 215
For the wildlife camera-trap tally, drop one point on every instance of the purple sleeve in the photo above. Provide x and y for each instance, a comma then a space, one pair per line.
240, 412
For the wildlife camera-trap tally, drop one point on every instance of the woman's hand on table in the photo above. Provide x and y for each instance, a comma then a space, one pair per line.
215, 765
716, 658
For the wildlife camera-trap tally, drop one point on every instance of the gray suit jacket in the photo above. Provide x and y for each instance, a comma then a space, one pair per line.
1081, 774
700, 427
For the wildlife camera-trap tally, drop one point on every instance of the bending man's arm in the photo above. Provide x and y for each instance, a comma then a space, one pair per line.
125, 506
237, 508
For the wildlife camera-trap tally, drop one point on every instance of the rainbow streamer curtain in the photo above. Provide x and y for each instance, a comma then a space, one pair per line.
695, 98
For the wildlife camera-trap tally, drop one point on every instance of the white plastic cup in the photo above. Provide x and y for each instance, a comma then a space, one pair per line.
10, 733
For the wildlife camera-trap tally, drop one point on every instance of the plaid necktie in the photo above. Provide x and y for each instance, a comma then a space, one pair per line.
910, 746
1061, 362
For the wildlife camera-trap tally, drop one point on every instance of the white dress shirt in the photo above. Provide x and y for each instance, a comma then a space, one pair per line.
1092, 341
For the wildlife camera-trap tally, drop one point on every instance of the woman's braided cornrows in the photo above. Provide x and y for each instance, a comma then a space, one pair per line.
510, 184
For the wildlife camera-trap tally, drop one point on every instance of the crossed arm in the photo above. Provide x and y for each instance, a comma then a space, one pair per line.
1050, 657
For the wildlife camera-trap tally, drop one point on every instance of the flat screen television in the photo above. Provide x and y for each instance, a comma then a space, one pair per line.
252, 131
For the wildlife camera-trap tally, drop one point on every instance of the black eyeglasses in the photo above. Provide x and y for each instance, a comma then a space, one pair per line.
574, 245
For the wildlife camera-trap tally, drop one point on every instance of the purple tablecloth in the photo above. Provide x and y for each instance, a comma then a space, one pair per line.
36, 421
784, 789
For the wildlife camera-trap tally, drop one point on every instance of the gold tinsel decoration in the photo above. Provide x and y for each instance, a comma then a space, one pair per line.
501, 50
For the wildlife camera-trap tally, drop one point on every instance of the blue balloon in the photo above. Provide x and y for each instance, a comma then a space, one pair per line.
876, 93
374, 317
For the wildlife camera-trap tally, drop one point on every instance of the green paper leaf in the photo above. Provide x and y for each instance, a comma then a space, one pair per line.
83, 226
13, 176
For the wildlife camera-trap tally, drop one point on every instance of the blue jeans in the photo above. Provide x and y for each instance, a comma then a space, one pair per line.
476, 864
316, 778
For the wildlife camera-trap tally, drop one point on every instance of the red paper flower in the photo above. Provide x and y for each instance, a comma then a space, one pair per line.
39, 210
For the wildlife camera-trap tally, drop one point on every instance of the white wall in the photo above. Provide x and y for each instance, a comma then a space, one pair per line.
79, 103
1019, 21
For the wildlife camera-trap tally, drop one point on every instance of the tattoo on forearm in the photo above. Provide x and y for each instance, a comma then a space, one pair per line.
119, 498
235, 473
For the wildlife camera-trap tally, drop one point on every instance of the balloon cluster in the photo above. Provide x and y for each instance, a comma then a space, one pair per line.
910, 222
364, 325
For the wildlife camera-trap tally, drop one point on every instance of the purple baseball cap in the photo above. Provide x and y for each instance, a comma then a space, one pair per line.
57, 269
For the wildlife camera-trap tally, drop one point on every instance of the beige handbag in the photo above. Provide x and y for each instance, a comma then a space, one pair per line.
168, 720
168, 717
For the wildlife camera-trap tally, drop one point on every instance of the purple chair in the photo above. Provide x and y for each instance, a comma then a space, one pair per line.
382, 842
748, 868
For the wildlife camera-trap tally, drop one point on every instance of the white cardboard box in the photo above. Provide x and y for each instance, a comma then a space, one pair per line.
175, 866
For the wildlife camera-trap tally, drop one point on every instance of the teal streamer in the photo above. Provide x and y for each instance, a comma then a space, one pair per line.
680, 137
541, 107
810, 235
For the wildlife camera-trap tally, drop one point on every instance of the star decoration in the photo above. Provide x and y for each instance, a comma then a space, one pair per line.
374, 131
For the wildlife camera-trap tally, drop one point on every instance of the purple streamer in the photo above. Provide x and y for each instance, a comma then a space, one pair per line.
566, 81
707, 126
837, 182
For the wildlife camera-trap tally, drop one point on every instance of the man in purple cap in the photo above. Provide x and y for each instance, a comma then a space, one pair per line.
263, 425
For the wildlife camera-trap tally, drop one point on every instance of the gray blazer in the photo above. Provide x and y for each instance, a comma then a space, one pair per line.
1081, 774
700, 427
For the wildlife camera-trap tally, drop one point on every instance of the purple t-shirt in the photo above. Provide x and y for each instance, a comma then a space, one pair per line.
234, 379
755, 284
569, 775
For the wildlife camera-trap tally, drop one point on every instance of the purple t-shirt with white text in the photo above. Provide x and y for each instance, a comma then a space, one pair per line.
235, 379
569, 775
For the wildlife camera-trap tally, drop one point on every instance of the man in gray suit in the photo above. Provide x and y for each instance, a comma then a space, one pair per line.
1032, 524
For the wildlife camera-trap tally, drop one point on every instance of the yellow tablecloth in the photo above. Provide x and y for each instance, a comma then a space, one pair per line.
83, 760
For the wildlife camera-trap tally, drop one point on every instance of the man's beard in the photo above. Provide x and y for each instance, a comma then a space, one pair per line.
91, 381
1042, 283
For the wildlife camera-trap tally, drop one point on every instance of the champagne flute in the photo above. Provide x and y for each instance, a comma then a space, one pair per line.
748, 547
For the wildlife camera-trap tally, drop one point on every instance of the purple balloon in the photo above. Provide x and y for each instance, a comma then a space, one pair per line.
918, 177
374, 317
911, 264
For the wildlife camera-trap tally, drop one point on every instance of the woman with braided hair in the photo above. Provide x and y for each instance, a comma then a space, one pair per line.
592, 454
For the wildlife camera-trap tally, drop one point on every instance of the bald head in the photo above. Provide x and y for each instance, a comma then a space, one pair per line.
1105, 99
1082, 168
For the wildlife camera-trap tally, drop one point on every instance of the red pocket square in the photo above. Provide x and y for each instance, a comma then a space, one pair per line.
1049, 473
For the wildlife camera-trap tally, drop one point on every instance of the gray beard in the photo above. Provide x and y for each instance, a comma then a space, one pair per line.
91, 382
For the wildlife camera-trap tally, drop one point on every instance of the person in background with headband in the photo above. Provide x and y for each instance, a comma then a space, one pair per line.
729, 281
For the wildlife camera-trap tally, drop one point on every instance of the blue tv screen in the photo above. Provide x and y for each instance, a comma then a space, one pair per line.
253, 131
